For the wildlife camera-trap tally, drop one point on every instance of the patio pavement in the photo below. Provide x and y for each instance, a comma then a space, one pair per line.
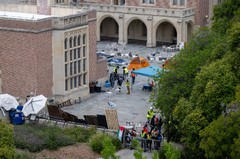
131, 107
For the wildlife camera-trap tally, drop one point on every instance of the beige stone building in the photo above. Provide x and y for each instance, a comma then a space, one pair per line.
154, 22
48, 49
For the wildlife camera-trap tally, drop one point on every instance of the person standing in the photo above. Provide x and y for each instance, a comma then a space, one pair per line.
119, 82
133, 76
150, 115
112, 79
115, 71
125, 73
128, 86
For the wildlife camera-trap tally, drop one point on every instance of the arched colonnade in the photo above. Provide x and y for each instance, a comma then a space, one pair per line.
153, 30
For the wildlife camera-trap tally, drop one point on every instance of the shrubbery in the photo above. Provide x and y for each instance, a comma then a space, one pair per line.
96, 141
36, 137
7, 149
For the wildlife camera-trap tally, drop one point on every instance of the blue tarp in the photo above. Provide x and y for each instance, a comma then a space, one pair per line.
149, 71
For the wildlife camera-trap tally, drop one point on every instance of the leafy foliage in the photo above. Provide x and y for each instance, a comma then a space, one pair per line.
215, 84
109, 150
170, 151
223, 15
7, 149
80, 134
139, 154
220, 139
36, 137
96, 141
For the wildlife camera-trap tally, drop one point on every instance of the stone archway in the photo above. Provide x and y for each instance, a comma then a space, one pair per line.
137, 32
109, 29
166, 34
190, 28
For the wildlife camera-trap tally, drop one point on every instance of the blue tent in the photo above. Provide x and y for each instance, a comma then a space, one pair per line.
149, 71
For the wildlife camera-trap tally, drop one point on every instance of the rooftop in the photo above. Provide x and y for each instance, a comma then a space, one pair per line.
23, 16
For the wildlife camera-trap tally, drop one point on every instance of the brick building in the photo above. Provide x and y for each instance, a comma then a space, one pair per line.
48, 50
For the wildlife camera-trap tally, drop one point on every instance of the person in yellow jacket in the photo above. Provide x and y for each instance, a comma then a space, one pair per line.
150, 115
128, 86
143, 140
125, 73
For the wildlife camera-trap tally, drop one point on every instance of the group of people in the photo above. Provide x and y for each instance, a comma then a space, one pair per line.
151, 132
120, 78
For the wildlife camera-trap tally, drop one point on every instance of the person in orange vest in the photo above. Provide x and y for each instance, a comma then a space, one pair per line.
133, 76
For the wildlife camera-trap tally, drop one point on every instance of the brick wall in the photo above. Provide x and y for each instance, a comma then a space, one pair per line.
96, 69
201, 10
26, 63
43, 8
28, 25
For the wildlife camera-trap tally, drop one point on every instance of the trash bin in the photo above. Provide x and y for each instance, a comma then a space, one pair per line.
17, 116
98, 88
92, 89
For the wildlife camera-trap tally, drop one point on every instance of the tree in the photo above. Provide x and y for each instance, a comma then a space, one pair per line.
179, 81
221, 138
223, 15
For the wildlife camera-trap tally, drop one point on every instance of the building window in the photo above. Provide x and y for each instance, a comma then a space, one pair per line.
65, 43
148, 2
178, 2
79, 80
84, 39
75, 82
75, 61
84, 78
70, 42
75, 54
75, 67
66, 85
79, 51
75, 41
71, 83
79, 40
84, 51
70, 55
79, 66
66, 70
84, 63
65, 57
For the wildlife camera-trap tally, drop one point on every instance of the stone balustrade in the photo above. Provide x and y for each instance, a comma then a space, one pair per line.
140, 10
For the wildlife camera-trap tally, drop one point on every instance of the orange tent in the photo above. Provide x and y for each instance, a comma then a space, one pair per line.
137, 63
167, 64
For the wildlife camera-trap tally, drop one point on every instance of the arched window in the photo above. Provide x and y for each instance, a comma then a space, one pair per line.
79, 40
70, 42
75, 41
84, 38
65, 43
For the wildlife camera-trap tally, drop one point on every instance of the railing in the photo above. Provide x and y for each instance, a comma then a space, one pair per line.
140, 10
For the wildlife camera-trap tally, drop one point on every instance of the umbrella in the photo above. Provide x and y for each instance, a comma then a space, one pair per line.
34, 105
7, 102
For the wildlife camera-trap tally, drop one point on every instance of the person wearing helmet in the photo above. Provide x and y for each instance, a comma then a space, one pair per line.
150, 115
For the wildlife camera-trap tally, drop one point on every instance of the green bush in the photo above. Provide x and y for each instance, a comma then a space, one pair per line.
109, 150
96, 141
80, 134
7, 149
36, 137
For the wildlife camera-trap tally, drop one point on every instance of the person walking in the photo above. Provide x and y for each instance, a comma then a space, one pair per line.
112, 79
125, 73
128, 86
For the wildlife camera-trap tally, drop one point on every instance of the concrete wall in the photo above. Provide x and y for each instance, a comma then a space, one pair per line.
64, 11
23, 8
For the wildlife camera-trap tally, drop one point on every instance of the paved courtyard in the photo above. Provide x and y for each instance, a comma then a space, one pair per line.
131, 107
